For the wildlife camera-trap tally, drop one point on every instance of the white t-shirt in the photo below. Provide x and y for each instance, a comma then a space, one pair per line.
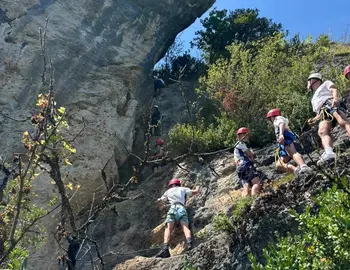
177, 195
321, 95
240, 146
278, 120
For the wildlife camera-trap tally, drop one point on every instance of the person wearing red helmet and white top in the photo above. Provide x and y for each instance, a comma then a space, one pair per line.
158, 153
244, 165
347, 72
329, 111
286, 146
176, 196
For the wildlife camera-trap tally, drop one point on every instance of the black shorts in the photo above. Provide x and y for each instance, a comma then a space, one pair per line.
329, 111
246, 172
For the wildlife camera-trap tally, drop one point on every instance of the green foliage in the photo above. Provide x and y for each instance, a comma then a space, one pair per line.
187, 65
324, 242
249, 84
214, 136
285, 179
222, 28
47, 149
187, 264
241, 205
17, 256
222, 222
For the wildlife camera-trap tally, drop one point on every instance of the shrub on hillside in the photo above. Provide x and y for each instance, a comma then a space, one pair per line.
324, 242
274, 75
217, 135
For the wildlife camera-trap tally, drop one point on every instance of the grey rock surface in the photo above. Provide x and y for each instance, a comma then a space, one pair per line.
102, 52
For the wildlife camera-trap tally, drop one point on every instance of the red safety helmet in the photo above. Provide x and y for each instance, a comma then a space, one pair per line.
174, 182
242, 130
347, 71
273, 112
159, 141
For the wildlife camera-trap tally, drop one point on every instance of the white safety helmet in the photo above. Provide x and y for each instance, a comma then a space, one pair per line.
315, 76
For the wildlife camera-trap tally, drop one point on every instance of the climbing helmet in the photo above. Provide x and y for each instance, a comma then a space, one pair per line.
242, 130
174, 182
273, 112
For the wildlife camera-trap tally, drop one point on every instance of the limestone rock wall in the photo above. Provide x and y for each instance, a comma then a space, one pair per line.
102, 52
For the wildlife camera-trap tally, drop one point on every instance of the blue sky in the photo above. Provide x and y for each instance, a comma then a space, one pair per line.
307, 17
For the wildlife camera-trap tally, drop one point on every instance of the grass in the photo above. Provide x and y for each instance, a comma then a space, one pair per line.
341, 49
285, 179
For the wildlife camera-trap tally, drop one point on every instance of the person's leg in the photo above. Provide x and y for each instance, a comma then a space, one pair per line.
184, 222
327, 142
164, 252
283, 166
342, 120
298, 158
255, 186
186, 229
246, 190
169, 228
323, 131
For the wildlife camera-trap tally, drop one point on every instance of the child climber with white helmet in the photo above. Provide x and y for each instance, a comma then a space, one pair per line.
244, 165
286, 146
329, 110
176, 196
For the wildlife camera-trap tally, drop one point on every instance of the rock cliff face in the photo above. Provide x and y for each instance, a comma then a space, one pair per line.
102, 52
255, 226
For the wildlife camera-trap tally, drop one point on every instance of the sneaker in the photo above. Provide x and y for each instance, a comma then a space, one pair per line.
326, 157
164, 253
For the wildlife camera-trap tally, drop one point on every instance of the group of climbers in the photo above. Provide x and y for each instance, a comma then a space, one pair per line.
329, 111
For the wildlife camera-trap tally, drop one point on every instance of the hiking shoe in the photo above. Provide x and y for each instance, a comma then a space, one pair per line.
326, 157
189, 246
164, 253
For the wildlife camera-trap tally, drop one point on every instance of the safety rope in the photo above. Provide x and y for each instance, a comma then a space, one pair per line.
325, 114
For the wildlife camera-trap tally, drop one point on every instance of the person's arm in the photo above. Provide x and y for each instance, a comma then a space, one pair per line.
163, 199
159, 155
195, 191
249, 154
334, 91
281, 127
312, 121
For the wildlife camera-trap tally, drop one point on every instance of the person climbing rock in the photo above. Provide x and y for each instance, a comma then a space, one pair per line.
176, 196
329, 110
347, 72
158, 84
246, 171
5, 177
286, 145
158, 153
155, 120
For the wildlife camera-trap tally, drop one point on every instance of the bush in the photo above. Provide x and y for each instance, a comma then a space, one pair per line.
222, 222
324, 242
274, 75
218, 135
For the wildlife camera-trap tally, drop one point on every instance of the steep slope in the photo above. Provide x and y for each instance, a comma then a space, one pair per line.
102, 53
254, 227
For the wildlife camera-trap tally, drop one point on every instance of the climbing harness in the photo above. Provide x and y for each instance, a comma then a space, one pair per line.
326, 115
